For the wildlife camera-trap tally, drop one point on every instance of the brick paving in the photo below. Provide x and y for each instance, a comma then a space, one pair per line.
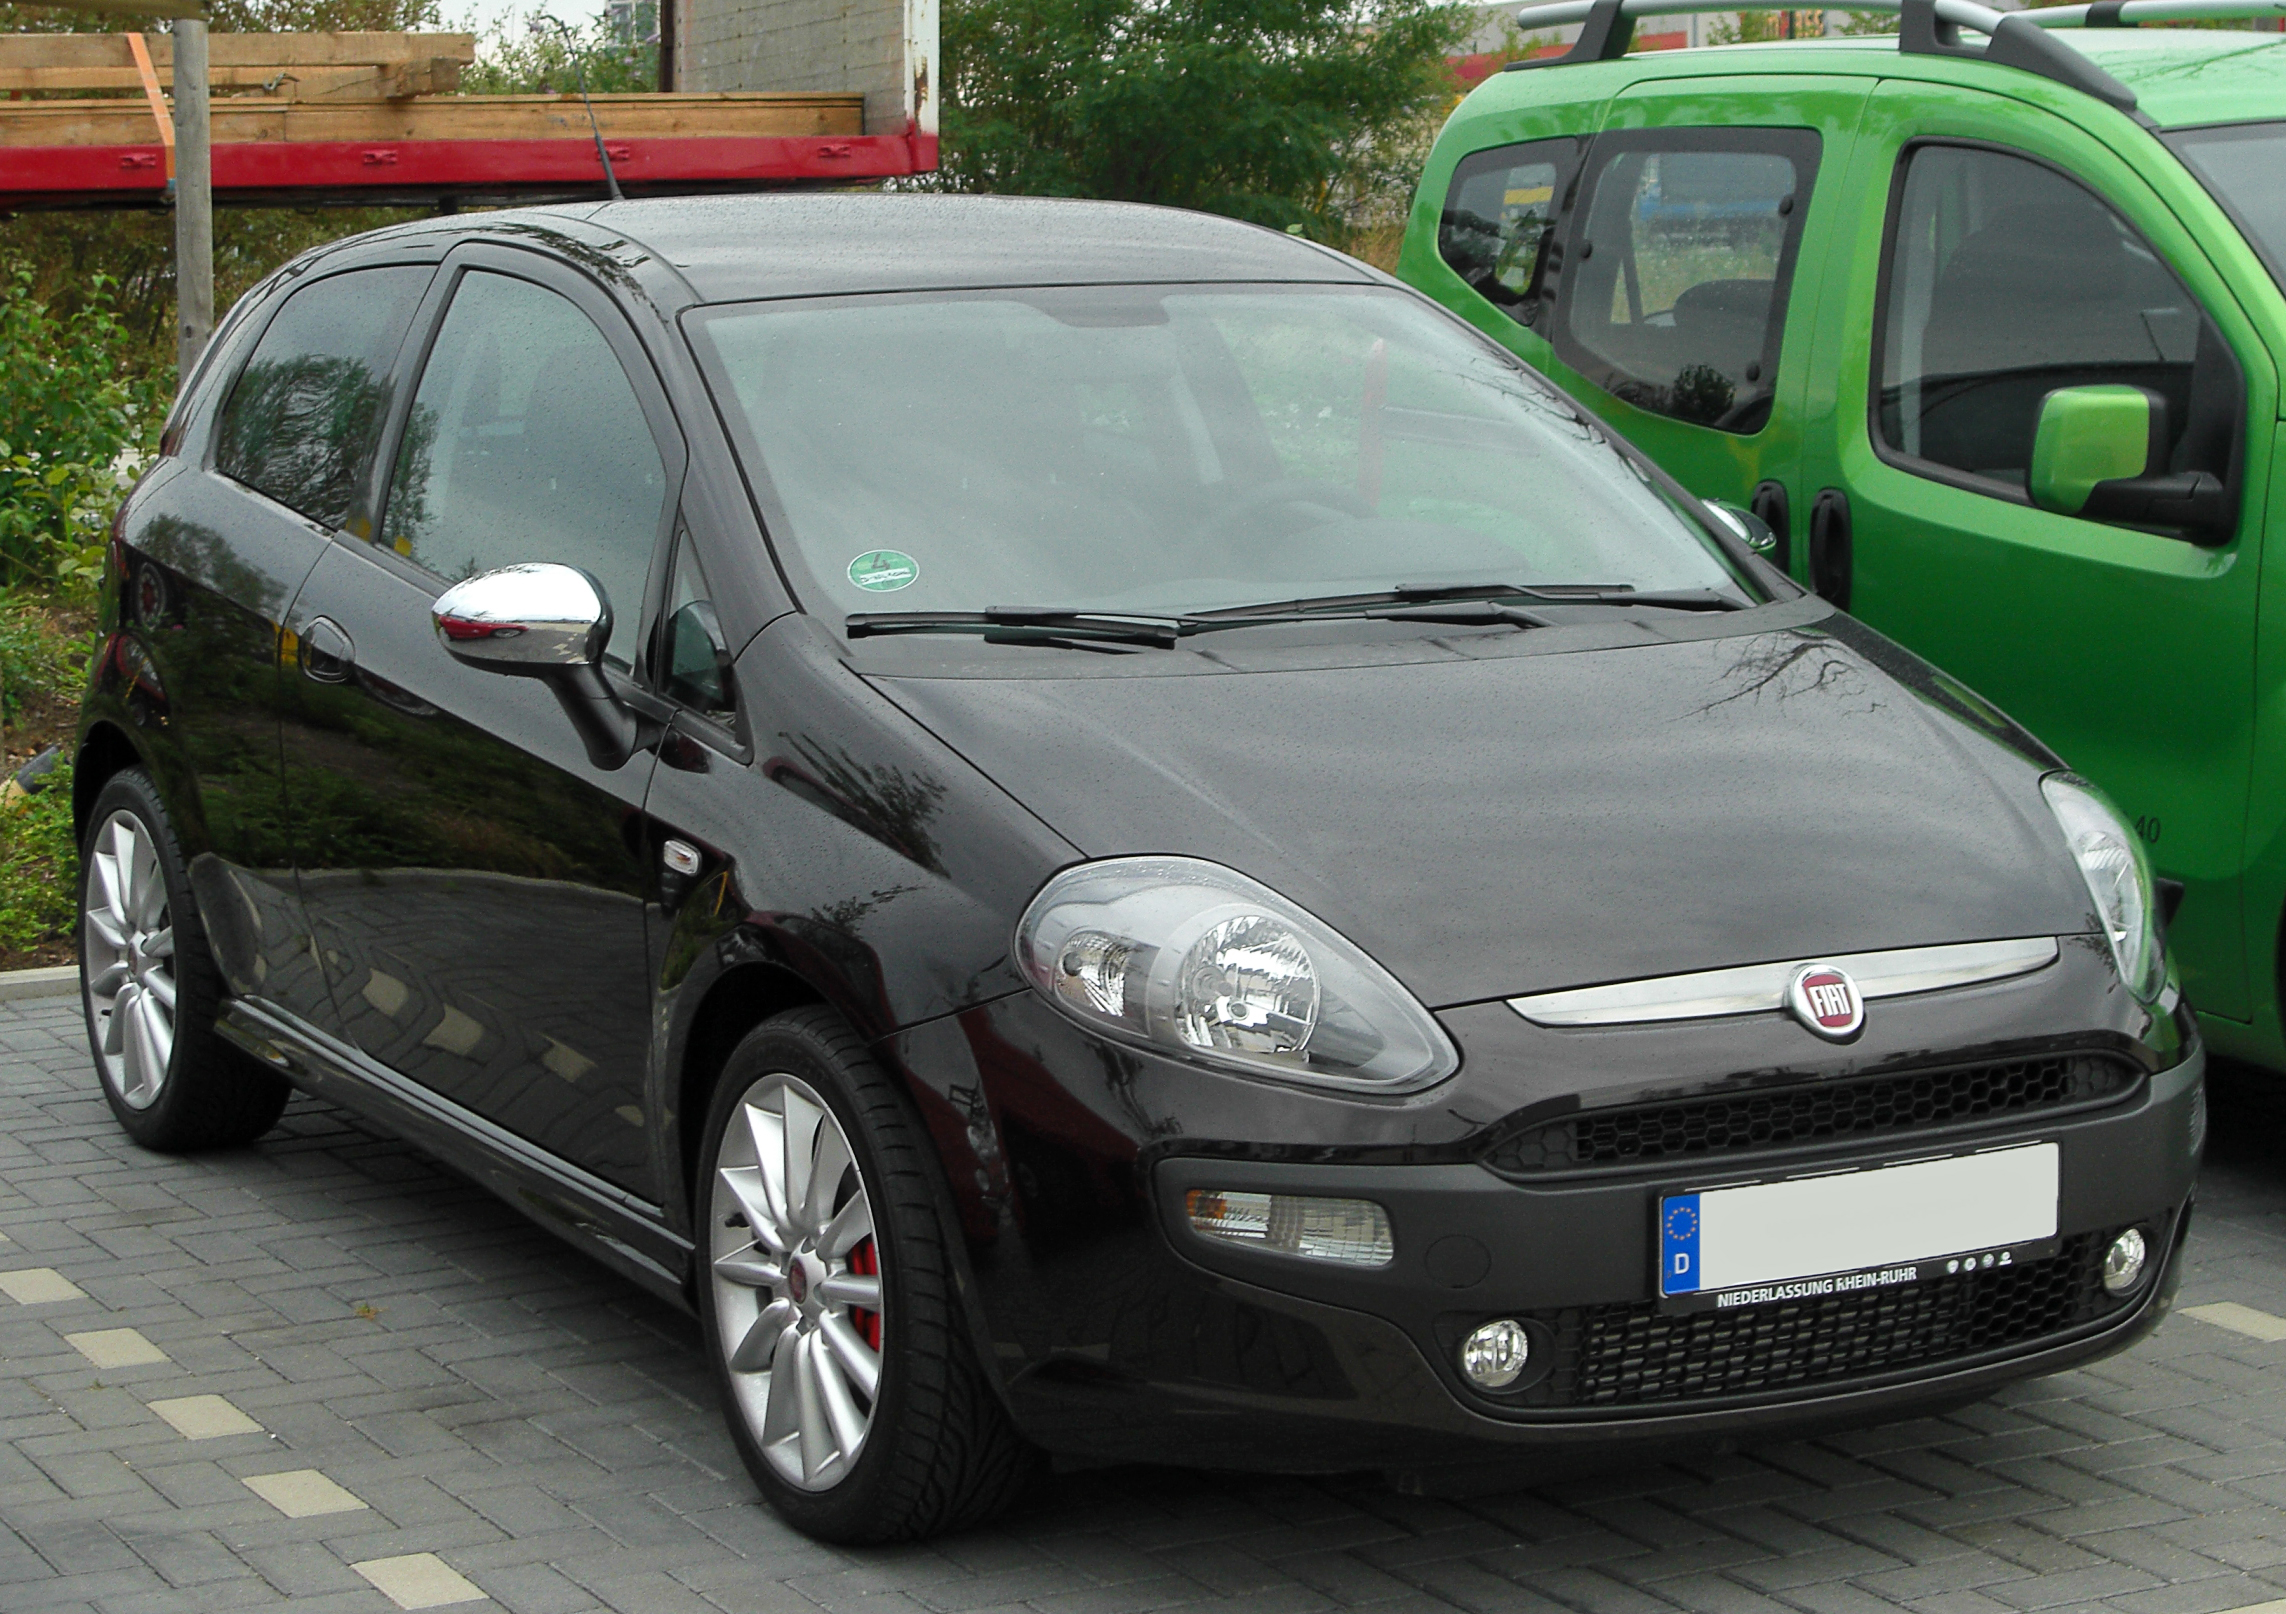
326, 1372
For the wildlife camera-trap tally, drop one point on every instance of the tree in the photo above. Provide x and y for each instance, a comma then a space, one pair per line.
134, 250
1256, 108
543, 57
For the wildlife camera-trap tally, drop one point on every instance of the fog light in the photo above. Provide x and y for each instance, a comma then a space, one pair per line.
1352, 1232
2123, 1262
1494, 1356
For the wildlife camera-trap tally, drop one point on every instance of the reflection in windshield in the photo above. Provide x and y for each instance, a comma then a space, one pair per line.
2239, 163
1172, 450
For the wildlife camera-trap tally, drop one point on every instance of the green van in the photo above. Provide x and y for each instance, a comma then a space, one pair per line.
1985, 319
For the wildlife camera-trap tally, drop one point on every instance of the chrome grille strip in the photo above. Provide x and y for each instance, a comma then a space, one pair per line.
1759, 988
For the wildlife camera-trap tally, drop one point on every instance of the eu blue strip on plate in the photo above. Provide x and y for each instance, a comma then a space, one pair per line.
1679, 1245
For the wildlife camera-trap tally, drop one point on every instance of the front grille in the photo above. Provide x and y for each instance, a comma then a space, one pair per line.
1635, 1355
1791, 1117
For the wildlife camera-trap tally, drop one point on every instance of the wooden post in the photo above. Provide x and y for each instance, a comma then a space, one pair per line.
194, 199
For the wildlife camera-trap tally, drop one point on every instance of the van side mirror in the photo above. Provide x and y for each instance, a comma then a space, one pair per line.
541, 620
1751, 528
2100, 453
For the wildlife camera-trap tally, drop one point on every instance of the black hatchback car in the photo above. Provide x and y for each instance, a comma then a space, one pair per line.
1092, 829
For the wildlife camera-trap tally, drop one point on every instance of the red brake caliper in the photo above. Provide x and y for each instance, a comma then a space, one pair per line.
863, 1262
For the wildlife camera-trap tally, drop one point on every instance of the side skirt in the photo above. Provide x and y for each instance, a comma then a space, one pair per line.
622, 1231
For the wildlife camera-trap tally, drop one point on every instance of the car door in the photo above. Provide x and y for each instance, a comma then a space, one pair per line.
1677, 306
1998, 252
473, 881
212, 571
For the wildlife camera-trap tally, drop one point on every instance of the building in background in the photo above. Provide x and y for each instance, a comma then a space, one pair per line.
887, 49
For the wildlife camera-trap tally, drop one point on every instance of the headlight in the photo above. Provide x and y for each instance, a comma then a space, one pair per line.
1198, 960
2111, 860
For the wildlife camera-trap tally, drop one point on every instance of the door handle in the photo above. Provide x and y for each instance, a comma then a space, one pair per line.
327, 651
1830, 546
1769, 501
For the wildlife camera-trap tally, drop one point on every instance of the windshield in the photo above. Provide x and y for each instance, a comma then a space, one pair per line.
1170, 449
2239, 164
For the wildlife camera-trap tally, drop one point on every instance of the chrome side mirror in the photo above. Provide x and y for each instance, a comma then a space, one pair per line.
1751, 529
529, 619
541, 620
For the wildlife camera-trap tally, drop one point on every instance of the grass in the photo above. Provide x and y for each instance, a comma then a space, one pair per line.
44, 644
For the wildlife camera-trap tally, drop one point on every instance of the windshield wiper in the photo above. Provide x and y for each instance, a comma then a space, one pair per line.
1004, 624
1459, 603
1337, 604
1470, 602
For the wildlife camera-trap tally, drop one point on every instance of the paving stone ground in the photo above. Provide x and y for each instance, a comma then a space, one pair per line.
326, 1372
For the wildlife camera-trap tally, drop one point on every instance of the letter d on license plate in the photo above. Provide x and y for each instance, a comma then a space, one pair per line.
1857, 1229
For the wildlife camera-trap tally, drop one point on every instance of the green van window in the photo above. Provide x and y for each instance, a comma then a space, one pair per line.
2005, 280
1675, 273
1499, 218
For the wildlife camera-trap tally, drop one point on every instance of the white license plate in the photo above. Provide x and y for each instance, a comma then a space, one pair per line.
1857, 1229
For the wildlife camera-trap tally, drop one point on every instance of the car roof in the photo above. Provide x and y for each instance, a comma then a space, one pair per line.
731, 248
2180, 76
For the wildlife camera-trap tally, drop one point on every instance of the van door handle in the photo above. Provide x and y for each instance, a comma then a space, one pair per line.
1830, 546
1777, 513
327, 651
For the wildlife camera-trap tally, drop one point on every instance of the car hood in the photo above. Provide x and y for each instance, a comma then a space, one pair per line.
1487, 824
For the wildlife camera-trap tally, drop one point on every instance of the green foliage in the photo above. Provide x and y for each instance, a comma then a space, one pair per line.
39, 867
74, 430
39, 656
1267, 110
543, 58
134, 251
1747, 28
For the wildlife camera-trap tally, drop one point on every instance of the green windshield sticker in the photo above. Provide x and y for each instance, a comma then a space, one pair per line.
881, 571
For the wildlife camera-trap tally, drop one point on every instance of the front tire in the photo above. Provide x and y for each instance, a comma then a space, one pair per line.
152, 990
827, 1301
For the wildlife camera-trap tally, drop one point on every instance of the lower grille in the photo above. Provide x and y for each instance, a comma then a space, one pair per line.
1635, 1355
1792, 1117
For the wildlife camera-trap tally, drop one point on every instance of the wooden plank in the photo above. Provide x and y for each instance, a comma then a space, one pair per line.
438, 76
250, 119
267, 51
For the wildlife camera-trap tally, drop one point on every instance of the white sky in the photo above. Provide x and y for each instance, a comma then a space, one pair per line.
478, 16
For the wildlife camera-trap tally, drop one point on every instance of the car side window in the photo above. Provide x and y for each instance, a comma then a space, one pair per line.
2004, 281
695, 659
526, 442
1500, 217
306, 412
1673, 287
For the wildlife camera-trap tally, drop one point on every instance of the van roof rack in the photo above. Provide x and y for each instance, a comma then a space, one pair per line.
2020, 39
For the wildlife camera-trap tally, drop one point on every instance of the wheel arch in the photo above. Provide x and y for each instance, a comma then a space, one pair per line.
735, 1002
104, 750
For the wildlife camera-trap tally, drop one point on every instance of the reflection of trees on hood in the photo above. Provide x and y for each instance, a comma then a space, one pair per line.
301, 429
1783, 665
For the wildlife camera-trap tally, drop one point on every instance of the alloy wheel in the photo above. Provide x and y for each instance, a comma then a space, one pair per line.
797, 1282
129, 942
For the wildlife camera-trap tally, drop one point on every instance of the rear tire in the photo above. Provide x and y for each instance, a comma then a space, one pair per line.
815, 1195
151, 988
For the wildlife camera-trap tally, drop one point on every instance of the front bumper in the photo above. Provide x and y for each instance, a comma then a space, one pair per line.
1122, 1335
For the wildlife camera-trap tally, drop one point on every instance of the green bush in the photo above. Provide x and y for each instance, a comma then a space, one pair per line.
541, 59
38, 654
39, 868
74, 430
